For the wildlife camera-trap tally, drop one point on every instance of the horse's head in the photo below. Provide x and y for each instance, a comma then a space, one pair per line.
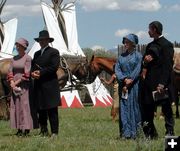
81, 71
99, 64
69, 66
94, 69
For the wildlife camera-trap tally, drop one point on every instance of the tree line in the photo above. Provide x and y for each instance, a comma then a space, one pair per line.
114, 53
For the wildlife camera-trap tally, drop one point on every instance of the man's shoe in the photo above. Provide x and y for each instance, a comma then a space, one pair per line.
44, 134
54, 136
169, 133
44, 131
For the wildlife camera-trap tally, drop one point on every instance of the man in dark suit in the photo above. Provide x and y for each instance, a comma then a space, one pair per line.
158, 77
46, 89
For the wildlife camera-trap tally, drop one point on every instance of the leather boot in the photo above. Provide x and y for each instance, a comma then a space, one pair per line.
44, 131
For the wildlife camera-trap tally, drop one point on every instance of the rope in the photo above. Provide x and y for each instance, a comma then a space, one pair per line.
64, 65
4, 97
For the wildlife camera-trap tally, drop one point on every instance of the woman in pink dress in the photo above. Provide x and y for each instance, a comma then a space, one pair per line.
18, 76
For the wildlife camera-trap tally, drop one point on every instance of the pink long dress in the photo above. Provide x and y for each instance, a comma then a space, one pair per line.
20, 116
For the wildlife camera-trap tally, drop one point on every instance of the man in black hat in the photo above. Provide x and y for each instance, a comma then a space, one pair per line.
46, 89
158, 78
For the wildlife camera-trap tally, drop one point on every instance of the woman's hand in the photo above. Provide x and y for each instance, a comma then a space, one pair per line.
124, 89
128, 82
12, 84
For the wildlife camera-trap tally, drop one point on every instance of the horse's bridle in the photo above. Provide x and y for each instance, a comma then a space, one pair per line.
93, 71
64, 65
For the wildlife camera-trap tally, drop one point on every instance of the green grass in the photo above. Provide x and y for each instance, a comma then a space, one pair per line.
87, 129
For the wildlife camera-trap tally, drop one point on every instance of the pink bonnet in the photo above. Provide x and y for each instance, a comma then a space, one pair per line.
22, 42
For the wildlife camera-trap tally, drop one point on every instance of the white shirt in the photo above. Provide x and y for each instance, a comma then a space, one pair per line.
42, 50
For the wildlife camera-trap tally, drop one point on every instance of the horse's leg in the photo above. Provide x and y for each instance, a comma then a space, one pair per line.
4, 108
177, 103
62, 78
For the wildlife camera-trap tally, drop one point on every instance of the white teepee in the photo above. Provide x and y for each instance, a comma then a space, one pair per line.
100, 97
10, 28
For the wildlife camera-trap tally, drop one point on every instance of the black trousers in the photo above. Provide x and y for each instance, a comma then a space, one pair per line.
52, 115
148, 118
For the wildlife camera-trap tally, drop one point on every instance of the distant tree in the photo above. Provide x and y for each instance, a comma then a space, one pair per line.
88, 52
105, 53
99, 52
176, 44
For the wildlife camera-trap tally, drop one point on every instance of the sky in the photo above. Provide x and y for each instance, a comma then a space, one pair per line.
101, 23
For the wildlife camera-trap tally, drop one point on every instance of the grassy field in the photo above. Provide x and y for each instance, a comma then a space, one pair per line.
87, 129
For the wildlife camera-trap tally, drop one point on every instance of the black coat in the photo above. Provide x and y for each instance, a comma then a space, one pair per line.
46, 88
159, 70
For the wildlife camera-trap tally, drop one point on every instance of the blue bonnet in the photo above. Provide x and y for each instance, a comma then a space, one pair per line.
131, 37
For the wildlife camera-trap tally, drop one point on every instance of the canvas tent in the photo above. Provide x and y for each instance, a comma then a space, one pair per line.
70, 98
10, 28
1, 24
177, 50
99, 94
7, 35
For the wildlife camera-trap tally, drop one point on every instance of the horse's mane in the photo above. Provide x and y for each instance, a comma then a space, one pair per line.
107, 58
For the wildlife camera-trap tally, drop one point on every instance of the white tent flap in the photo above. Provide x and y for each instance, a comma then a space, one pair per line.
5, 56
71, 99
69, 14
53, 28
10, 28
98, 93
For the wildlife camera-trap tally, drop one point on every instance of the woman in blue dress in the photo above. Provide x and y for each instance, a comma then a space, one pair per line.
127, 70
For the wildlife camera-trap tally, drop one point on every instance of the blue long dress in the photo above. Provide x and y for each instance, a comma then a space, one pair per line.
129, 66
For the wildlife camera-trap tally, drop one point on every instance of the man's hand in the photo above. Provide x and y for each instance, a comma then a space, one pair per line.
35, 74
160, 88
148, 58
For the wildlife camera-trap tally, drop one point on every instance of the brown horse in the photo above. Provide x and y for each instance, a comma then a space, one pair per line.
176, 68
4, 89
68, 67
4, 66
71, 66
96, 66
99, 64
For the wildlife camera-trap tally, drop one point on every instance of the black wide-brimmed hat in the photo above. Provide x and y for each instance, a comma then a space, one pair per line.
44, 34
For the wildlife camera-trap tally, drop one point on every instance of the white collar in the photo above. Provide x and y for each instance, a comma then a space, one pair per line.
42, 50
160, 36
